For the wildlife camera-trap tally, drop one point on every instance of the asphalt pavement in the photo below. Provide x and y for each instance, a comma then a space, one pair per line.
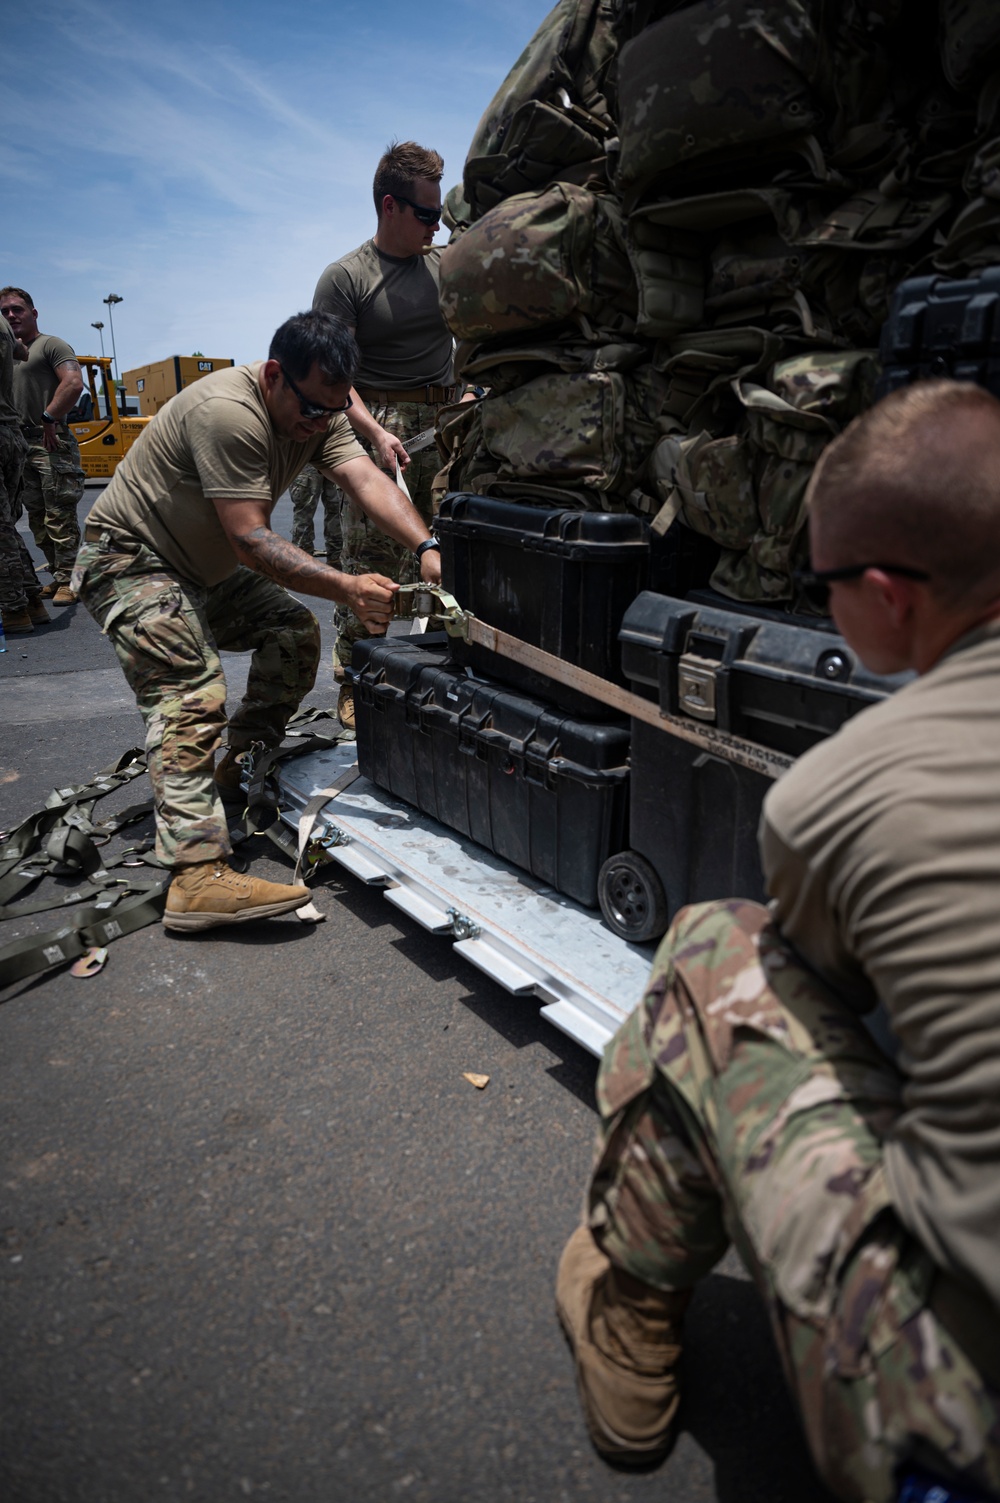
259, 1237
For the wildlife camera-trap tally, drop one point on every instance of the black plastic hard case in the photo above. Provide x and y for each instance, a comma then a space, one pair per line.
943, 326
542, 790
560, 580
694, 816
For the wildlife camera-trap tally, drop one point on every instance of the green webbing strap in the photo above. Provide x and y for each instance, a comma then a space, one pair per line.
68, 848
261, 766
98, 881
24, 838
61, 839
89, 928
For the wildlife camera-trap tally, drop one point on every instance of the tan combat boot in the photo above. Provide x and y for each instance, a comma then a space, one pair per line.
211, 893
63, 595
37, 610
625, 1337
345, 706
16, 622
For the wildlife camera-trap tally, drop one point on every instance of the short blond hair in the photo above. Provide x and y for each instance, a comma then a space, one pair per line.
916, 481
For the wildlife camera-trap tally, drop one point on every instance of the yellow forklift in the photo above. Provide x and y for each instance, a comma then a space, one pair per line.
103, 430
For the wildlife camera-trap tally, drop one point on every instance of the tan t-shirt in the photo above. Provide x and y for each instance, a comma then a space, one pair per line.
8, 410
881, 850
36, 378
212, 441
392, 306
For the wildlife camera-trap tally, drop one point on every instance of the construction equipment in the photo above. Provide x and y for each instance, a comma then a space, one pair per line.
155, 384
103, 430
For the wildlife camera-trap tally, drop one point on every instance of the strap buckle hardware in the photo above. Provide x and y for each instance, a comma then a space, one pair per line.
434, 603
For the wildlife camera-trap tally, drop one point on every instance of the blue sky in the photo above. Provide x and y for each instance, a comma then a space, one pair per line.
206, 160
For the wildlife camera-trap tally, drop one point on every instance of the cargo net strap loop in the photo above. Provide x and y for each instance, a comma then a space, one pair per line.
63, 839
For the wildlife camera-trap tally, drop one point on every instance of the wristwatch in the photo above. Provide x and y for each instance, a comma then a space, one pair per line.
423, 547
46, 418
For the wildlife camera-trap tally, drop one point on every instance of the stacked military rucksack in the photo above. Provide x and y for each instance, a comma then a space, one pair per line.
675, 241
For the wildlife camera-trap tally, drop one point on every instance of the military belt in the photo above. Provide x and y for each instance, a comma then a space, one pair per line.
119, 541
430, 396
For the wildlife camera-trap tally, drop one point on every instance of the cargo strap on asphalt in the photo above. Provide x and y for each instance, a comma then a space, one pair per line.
62, 839
431, 601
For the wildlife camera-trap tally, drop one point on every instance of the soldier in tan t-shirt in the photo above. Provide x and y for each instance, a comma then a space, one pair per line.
179, 561
21, 601
746, 1100
46, 388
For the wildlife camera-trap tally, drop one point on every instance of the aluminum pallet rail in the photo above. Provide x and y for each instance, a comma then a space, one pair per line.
523, 934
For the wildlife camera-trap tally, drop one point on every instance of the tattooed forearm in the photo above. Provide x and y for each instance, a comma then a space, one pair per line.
268, 553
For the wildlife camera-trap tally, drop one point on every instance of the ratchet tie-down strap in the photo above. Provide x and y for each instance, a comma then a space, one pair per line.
443, 609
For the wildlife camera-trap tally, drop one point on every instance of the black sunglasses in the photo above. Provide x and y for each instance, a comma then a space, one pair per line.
815, 583
426, 216
312, 409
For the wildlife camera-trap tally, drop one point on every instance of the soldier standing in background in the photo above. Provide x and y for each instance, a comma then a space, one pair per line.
21, 601
386, 291
46, 388
306, 491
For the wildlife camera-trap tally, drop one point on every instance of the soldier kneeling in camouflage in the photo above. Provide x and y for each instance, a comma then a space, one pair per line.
171, 568
745, 1100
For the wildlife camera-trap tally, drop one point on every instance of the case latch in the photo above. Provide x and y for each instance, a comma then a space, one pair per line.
696, 686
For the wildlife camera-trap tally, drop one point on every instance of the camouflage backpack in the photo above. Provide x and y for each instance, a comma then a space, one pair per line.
539, 258
970, 44
744, 488
572, 438
568, 61
714, 84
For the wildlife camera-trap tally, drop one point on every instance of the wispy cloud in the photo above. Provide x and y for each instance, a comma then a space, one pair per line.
206, 163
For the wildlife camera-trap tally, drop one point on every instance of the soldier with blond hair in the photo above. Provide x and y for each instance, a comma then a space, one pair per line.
745, 1101
386, 291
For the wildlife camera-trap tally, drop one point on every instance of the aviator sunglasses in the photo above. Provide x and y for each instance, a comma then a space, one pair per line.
815, 583
426, 216
312, 409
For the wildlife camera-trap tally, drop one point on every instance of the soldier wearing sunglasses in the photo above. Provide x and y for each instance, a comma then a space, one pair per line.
745, 1100
180, 562
386, 291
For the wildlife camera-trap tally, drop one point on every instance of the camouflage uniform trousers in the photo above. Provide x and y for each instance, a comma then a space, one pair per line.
53, 486
742, 1102
366, 549
18, 579
167, 633
306, 491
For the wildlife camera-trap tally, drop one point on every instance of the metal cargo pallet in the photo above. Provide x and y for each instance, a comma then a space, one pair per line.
523, 934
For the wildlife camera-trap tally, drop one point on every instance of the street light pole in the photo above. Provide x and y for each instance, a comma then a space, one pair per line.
100, 329
110, 300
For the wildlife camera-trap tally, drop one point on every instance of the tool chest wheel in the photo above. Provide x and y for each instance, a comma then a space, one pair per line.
632, 898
